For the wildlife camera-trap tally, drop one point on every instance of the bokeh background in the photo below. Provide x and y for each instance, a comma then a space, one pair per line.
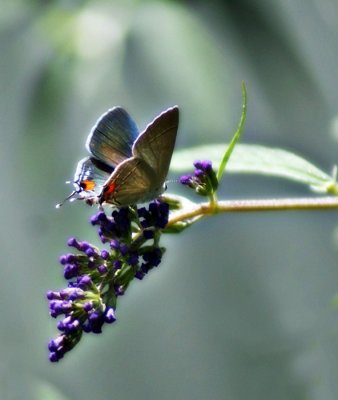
241, 306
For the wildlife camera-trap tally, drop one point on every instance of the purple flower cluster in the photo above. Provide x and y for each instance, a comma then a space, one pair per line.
116, 226
96, 278
204, 180
155, 217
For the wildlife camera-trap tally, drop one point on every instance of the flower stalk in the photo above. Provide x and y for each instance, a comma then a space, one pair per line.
288, 204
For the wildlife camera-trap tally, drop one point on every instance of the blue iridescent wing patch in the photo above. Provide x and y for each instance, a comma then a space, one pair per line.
112, 137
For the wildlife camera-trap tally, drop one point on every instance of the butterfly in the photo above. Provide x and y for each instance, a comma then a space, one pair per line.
125, 167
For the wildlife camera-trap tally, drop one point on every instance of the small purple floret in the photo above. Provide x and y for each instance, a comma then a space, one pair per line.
204, 165
110, 316
133, 260
90, 252
119, 290
104, 254
83, 246
63, 260
72, 242
101, 216
115, 244
84, 282
54, 344
102, 269
199, 173
52, 295
124, 249
88, 306
70, 271
117, 264
185, 179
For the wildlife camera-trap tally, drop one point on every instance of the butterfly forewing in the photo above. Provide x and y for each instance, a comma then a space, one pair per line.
156, 144
112, 137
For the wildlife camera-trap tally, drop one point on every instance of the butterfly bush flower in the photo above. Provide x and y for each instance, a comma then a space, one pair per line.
97, 277
203, 181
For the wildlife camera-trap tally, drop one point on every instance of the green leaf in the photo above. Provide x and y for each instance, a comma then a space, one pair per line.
236, 136
260, 160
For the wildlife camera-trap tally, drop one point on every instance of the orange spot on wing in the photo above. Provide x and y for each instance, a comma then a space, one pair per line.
109, 189
87, 185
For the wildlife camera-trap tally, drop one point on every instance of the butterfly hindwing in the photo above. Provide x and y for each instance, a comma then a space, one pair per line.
90, 176
112, 137
130, 183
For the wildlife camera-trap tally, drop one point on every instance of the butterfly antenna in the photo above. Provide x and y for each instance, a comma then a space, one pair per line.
70, 198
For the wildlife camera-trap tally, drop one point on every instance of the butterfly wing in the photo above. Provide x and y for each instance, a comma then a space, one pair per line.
130, 183
112, 137
90, 176
141, 177
155, 145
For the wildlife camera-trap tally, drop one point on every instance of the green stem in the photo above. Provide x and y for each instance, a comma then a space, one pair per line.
204, 209
213, 200
236, 136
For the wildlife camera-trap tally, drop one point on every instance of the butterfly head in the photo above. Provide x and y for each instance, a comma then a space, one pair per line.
83, 190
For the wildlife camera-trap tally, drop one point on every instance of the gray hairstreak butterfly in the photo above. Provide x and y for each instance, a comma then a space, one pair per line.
125, 167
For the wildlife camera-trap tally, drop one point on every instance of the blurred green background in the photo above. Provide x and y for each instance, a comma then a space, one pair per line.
241, 307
